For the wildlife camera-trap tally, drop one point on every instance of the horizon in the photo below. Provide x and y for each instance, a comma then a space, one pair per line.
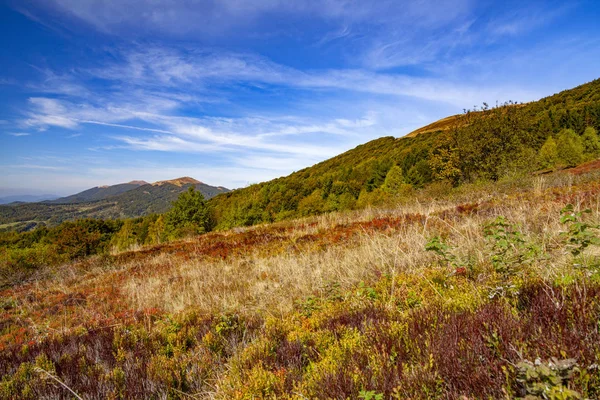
238, 92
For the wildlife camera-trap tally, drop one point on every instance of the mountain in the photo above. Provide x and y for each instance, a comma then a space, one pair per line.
186, 180
483, 145
98, 193
128, 200
26, 198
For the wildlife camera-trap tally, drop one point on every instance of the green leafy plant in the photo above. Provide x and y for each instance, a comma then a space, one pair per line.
509, 249
446, 253
370, 395
549, 380
366, 291
580, 235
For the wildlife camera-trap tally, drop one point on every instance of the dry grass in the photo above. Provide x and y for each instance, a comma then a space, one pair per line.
179, 319
268, 268
305, 259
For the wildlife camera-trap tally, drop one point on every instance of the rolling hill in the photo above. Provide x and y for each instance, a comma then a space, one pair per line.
27, 198
128, 200
98, 193
474, 278
484, 145
475, 295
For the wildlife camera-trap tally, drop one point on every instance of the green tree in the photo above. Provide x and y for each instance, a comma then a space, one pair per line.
393, 180
570, 148
189, 215
444, 161
126, 237
156, 231
591, 143
312, 204
419, 174
548, 154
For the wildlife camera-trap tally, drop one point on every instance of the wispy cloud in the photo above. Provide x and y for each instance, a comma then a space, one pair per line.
18, 134
48, 112
520, 20
220, 17
182, 69
34, 166
331, 36
170, 81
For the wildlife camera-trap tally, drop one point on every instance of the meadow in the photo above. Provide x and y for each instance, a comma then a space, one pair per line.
484, 291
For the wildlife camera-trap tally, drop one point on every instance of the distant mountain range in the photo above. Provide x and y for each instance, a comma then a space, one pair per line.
98, 193
124, 200
27, 198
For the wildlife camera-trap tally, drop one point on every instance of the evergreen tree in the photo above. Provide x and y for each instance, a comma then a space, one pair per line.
548, 154
393, 180
570, 148
591, 143
189, 215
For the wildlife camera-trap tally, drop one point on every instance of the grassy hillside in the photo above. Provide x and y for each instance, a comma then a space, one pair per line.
436, 266
444, 124
449, 298
139, 200
489, 144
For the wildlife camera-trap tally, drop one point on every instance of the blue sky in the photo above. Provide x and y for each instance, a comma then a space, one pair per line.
234, 92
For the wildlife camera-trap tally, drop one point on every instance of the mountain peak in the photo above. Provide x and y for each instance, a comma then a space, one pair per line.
140, 183
185, 180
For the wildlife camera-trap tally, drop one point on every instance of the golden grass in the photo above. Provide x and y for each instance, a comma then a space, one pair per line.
299, 258
272, 282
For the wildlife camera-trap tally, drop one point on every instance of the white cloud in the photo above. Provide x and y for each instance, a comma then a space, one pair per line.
48, 112
19, 134
223, 16
520, 20
34, 166
181, 71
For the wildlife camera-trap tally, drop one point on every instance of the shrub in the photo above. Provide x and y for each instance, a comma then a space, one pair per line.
580, 235
509, 250
547, 380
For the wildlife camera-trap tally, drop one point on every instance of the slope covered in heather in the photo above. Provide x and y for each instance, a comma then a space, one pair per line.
450, 298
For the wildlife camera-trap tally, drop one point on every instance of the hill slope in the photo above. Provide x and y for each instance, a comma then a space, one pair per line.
98, 193
477, 145
137, 201
26, 198
419, 302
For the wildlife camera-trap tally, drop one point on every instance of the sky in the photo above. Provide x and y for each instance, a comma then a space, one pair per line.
235, 92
